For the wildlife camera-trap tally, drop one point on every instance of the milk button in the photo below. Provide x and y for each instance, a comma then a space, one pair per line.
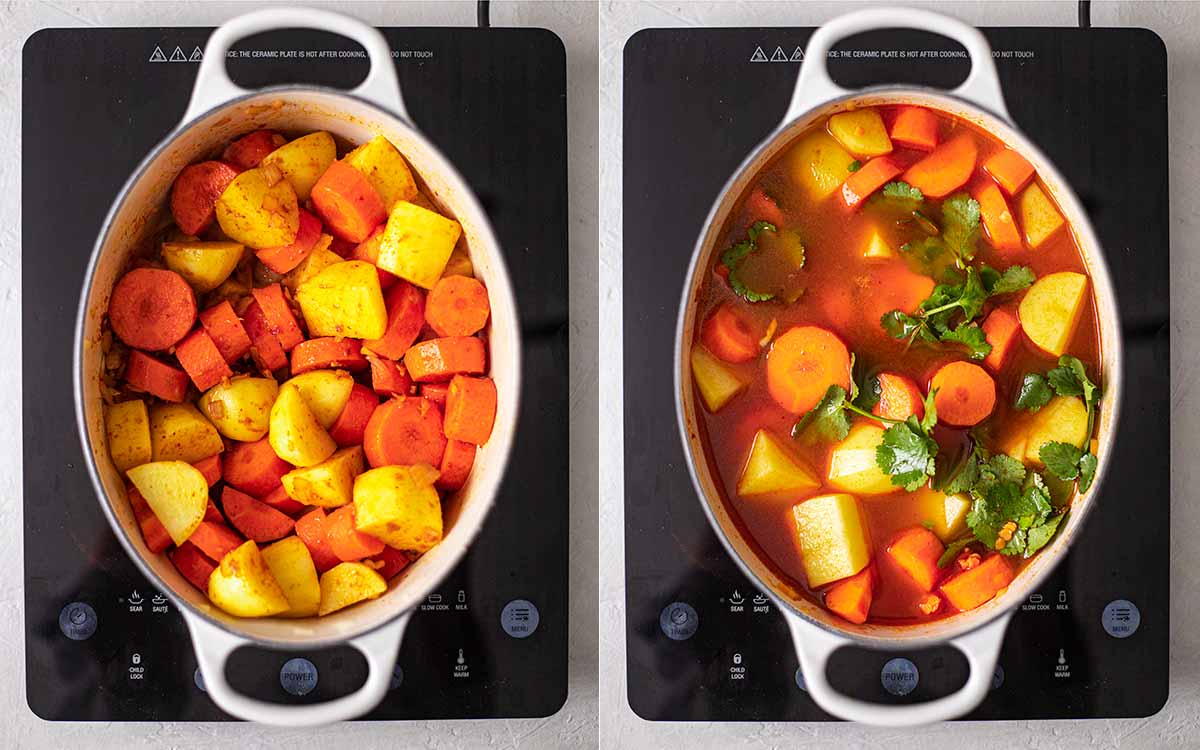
900, 676
1120, 618
298, 676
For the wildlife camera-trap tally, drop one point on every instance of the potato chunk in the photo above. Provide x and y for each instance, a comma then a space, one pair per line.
292, 566
1039, 218
878, 247
295, 434
417, 244
325, 392
127, 425
1063, 419
946, 514
349, 583
344, 300
716, 381
259, 210
177, 493
329, 483
385, 169
243, 586
178, 432
852, 465
399, 506
1051, 309
819, 165
304, 160
832, 536
773, 471
240, 409
317, 260
862, 132
204, 265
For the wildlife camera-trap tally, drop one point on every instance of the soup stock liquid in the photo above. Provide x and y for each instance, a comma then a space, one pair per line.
847, 293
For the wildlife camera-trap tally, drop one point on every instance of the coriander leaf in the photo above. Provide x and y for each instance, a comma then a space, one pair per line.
954, 479
1003, 514
960, 225
825, 422
903, 191
1033, 394
907, 454
999, 469
900, 325
868, 395
1064, 381
946, 300
1087, 470
733, 257
1061, 459
971, 336
954, 548
990, 510
854, 166
929, 421
926, 250
1039, 536
1014, 279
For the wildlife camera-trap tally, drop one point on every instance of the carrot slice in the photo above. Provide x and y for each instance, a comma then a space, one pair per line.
281, 321
252, 148
193, 565
254, 518
389, 378
211, 468
351, 424
899, 397
470, 409
202, 360
154, 534
1000, 327
850, 598
915, 127
389, 562
282, 502
728, 336
254, 468
368, 250
406, 430
265, 348
328, 351
456, 465
457, 306
762, 207
978, 585
347, 203
966, 394
311, 530
195, 192
998, 218
406, 316
145, 373
1009, 169
802, 364
212, 514
226, 330
873, 175
916, 551
442, 359
347, 542
152, 309
946, 168
215, 539
286, 257
435, 392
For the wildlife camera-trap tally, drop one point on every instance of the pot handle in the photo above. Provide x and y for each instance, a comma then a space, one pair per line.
214, 87
814, 646
214, 645
814, 87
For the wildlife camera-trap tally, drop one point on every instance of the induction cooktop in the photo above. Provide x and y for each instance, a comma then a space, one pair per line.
101, 643
703, 643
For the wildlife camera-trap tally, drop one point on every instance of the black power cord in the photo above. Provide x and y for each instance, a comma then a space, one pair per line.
1085, 14
482, 14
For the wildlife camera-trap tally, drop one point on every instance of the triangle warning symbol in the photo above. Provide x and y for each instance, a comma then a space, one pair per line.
178, 56
158, 55
779, 56
759, 55
197, 55
798, 55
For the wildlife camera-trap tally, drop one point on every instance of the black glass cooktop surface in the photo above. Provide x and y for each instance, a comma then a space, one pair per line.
95, 102
696, 101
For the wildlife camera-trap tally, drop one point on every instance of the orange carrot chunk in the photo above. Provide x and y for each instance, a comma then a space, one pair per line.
915, 127
802, 364
368, 251
202, 360
899, 397
966, 394
328, 351
406, 430
916, 551
252, 148
145, 373
945, 169
978, 585
351, 424
435, 392
215, 539
347, 203
254, 518
442, 359
457, 306
389, 562
193, 565
406, 316
265, 348
195, 192
226, 330
151, 309
282, 502
212, 514
286, 257
1001, 327
1009, 169
281, 321
998, 218
211, 468
456, 465
311, 530
346, 541
873, 175
762, 207
389, 378
850, 598
728, 336
154, 534
470, 409
254, 468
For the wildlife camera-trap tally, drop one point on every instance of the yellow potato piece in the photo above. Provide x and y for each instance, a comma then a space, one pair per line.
204, 265
325, 392
304, 160
1062, 420
399, 506
417, 244
349, 583
832, 537
1051, 310
127, 425
329, 483
240, 409
818, 164
852, 465
177, 493
716, 381
243, 586
344, 300
178, 432
384, 167
861, 131
295, 434
317, 260
878, 247
947, 514
459, 263
772, 470
259, 209
1039, 217
292, 567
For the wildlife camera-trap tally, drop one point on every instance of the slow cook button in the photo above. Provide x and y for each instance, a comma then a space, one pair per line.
899, 676
298, 676
78, 621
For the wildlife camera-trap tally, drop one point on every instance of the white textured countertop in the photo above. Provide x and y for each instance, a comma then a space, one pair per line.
574, 725
1178, 724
